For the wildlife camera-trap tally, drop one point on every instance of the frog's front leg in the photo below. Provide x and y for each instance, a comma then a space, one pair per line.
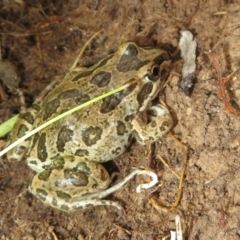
23, 125
150, 125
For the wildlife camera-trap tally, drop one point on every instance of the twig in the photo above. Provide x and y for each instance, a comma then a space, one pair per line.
222, 81
154, 201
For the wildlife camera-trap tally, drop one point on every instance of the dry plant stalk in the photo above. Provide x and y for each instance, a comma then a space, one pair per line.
159, 206
221, 84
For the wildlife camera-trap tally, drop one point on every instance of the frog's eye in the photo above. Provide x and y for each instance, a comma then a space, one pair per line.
154, 73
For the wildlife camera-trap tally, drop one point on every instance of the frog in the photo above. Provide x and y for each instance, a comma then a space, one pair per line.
67, 155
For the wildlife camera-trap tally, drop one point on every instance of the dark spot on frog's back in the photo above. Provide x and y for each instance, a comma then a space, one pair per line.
64, 207
129, 118
82, 75
44, 175
36, 107
54, 202
22, 130
103, 62
35, 139
51, 108
111, 102
144, 93
121, 128
153, 124
64, 136
91, 135
69, 94
165, 125
89, 205
28, 117
117, 151
129, 60
74, 94
58, 163
63, 195
41, 193
81, 152
101, 79
103, 175
82, 167
19, 150
76, 177
41, 148
82, 98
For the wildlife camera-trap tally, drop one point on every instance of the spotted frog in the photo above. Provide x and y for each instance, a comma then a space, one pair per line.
67, 155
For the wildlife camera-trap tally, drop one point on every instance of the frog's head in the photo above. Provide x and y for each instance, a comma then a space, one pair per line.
150, 65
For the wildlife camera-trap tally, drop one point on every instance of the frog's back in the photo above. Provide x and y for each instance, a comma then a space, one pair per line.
102, 130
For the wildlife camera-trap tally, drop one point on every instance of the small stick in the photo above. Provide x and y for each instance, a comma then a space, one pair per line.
222, 81
154, 201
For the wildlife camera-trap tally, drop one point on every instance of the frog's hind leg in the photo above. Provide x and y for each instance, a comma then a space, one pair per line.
71, 183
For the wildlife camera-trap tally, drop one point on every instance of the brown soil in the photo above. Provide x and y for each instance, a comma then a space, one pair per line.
42, 39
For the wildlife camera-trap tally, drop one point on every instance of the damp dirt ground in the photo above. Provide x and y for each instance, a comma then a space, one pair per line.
42, 38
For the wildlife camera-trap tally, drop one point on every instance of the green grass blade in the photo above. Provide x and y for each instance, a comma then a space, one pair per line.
8, 125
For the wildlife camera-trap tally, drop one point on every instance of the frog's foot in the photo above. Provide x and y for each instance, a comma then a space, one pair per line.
128, 178
150, 125
100, 195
